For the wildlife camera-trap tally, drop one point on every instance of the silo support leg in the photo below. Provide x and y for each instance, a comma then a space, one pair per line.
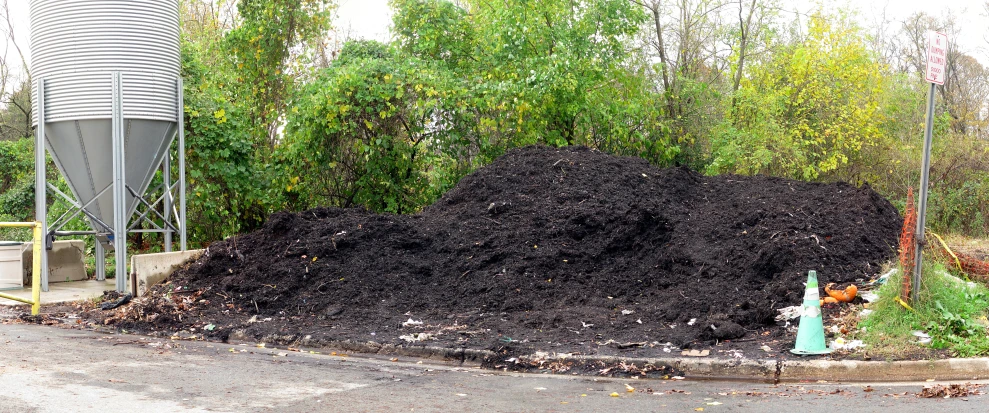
100, 262
119, 188
40, 188
166, 172
181, 120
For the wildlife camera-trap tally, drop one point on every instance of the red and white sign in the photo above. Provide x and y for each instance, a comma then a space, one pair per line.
937, 55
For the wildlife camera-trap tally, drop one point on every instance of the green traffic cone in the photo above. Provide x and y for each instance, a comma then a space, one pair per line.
810, 334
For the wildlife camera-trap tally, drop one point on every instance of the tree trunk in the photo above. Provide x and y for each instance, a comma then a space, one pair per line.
745, 26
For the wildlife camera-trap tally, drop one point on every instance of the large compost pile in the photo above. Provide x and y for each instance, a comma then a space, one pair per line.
561, 248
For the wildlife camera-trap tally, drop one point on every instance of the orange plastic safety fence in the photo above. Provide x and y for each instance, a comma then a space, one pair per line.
907, 247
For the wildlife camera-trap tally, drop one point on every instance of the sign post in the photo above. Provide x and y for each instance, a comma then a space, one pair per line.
937, 54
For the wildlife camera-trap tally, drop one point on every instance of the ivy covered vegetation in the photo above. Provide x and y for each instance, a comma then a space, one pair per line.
281, 114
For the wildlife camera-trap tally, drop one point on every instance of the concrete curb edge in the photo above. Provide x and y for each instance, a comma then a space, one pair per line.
766, 370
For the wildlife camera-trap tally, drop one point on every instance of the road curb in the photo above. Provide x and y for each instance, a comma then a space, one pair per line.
853, 370
704, 368
763, 370
772, 370
464, 356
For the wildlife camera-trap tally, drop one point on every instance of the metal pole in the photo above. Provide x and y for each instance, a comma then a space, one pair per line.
119, 193
39, 251
40, 190
100, 261
922, 206
181, 119
166, 170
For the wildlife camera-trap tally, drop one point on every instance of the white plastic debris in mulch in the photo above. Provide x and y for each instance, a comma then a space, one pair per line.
415, 337
842, 344
789, 313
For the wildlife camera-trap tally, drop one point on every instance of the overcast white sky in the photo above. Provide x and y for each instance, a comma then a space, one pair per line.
370, 18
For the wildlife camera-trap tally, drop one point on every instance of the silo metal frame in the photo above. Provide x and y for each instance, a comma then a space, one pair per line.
120, 190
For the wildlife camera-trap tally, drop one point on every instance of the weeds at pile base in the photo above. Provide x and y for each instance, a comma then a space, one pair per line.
950, 310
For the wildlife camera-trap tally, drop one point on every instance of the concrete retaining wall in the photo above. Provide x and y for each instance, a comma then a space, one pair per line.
151, 269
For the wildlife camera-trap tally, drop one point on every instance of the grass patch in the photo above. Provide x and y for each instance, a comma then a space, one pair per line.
950, 310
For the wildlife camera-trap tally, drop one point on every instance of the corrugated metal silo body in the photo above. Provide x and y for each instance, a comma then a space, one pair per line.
76, 46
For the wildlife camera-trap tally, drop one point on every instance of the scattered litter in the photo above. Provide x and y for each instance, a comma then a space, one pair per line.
411, 322
109, 305
639, 321
414, 337
629, 389
882, 278
922, 337
956, 280
627, 312
789, 313
870, 296
540, 388
692, 321
586, 325
714, 404
845, 295
865, 313
842, 344
614, 394
209, 327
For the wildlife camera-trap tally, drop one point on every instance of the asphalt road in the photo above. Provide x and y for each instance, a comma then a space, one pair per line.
47, 369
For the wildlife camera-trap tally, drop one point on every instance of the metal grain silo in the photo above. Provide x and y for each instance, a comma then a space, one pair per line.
108, 104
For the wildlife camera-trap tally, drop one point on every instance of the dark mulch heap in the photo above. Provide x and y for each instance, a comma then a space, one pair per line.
562, 249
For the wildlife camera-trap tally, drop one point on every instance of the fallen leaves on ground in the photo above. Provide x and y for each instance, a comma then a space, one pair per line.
951, 390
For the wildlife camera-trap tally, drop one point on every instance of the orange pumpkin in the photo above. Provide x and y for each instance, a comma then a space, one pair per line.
845, 296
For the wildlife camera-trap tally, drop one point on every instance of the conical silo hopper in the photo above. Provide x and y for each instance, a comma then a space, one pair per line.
76, 45
78, 48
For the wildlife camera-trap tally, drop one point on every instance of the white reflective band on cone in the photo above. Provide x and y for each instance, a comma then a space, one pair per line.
811, 311
812, 294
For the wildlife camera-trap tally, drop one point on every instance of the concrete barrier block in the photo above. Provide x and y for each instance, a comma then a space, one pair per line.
151, 269
65, 261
